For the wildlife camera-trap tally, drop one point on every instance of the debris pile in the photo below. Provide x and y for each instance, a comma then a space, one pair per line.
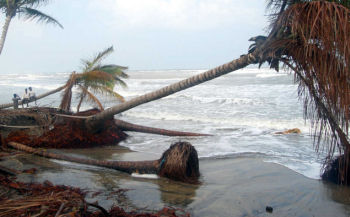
23, 199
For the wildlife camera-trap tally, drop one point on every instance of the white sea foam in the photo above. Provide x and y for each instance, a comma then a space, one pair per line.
307, 168
270, 75
145, 176
276, 124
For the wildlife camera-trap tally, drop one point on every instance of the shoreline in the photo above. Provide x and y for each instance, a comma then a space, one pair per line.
241, 186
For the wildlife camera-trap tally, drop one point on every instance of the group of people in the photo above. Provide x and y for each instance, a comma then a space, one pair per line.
28, 96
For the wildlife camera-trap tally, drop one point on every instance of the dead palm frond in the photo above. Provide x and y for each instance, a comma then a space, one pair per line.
312, 39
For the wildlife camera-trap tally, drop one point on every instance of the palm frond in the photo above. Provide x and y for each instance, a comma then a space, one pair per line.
103, 90
114, 70
34, 3
120, 82
90, 97
33, 14
97, 77
89, 65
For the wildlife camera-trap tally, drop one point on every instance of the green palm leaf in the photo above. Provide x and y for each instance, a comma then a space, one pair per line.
33, 14
106, 91
90, 65
114, 70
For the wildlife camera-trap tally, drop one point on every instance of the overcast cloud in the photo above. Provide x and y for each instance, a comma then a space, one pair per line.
146, 34
179, 14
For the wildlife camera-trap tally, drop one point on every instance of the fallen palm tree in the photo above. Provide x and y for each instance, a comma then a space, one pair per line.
179, 162
126, 126
53, 128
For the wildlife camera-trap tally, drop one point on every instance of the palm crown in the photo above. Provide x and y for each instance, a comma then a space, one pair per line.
95, 78
25, 9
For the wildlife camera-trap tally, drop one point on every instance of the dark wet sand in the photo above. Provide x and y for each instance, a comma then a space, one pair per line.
241, 186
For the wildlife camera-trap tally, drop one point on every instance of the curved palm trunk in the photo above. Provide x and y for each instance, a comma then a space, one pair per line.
93, 122
8, 105
4, 32
126, 126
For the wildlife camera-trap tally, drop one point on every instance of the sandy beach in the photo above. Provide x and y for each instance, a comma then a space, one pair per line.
231, 186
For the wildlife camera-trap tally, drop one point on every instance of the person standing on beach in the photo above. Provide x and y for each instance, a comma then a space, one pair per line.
15, 101
25, 98
32, 95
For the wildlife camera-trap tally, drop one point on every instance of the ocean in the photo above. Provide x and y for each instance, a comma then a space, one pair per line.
242, 111
244, 166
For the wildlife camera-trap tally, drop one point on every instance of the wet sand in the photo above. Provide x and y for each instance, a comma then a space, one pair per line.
240, 186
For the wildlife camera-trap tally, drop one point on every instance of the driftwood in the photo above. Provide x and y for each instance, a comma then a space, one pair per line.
179, 162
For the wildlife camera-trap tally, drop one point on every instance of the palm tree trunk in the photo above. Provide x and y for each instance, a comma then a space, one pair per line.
126, 126
4, 32
150, 167
94, 122
179, 162
8, 105
80, 102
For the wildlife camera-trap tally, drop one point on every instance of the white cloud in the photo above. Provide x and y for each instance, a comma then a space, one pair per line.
180, 14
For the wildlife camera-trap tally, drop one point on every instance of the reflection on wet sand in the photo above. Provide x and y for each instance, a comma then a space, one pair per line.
340, 194
177, 193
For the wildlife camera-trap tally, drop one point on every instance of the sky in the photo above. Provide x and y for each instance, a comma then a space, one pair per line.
146, 34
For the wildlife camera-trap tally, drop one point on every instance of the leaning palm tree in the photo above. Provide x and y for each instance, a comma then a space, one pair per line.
312, 39
94, 78
25, 8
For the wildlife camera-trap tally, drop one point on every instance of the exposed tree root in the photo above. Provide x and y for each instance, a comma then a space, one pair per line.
179, 162
70, 133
